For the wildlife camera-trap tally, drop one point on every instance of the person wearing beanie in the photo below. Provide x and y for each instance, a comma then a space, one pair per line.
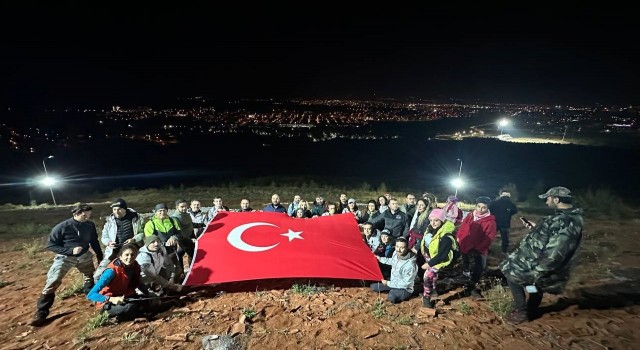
168, 230
122, 227
454, 214
475, 235
440, 252
155, 266
352, 207
70, 240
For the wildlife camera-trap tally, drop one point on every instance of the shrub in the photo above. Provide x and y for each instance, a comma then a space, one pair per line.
77, 287
33, 248
465, 308
602, 203
100, 320
378, 309
499, 298
249, 313
308, 289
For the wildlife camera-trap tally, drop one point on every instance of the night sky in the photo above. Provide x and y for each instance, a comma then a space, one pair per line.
97, 55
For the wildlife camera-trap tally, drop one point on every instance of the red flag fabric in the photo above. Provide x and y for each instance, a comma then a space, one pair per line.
259, 245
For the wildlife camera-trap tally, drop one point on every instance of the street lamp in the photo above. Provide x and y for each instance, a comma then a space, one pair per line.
458, 182
565, 132
502, 123
48, 181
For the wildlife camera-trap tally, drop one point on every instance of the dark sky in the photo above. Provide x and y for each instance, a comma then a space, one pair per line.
97, 55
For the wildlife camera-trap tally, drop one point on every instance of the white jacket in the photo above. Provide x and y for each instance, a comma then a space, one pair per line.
151, 263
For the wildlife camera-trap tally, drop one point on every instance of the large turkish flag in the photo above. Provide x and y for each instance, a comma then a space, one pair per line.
259, 245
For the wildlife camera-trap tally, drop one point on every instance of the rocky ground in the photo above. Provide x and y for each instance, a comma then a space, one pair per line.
598, 311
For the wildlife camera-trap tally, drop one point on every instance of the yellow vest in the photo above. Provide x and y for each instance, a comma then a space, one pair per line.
446, 228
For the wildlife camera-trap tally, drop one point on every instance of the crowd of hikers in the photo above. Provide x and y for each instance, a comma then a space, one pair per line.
413, 242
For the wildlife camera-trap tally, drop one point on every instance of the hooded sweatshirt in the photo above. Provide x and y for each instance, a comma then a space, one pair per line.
403, 271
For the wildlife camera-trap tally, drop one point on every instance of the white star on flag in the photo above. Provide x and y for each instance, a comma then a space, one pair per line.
292, 235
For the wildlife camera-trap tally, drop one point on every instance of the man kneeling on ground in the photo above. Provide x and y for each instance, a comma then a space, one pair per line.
403, 273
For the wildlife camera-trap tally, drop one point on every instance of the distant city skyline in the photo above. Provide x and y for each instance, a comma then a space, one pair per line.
56, 56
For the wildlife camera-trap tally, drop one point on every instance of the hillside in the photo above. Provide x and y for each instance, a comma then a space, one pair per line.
598, 311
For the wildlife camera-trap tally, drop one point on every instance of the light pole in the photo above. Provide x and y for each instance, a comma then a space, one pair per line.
48, 179
502, 123
565, 132
459, 180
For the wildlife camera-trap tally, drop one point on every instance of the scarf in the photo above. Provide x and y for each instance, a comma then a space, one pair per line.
477, 216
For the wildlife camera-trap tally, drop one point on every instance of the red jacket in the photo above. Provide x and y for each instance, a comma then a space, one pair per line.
121, 285
476, 235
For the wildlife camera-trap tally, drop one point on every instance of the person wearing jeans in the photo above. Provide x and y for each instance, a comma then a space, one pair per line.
403, 273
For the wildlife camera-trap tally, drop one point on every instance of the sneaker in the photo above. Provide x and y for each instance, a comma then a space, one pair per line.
38, 319
466, 274
426, 302
517, 317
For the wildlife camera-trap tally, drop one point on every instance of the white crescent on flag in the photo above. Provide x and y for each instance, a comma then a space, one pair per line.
235, 238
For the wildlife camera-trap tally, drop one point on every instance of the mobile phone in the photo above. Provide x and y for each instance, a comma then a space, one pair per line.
525, 221
531, 289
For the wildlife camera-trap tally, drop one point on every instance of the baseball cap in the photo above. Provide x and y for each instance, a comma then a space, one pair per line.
351, 200
557, 191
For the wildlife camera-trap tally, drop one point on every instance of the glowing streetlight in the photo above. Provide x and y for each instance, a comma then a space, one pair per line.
48, 181
502, 123
457, 183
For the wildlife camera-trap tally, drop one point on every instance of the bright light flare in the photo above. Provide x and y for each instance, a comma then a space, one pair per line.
503, 122
457, 182
48, 181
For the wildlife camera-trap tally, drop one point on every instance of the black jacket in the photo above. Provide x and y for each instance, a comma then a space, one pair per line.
70, 234
503, 209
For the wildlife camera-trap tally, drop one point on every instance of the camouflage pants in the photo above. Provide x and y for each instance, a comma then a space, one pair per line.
430, 278
61, 266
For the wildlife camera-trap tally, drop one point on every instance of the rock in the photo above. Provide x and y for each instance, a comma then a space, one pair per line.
217, 342
370, 333
237, 328
178, 337
426, 312
329, 302
242, 318
294, 331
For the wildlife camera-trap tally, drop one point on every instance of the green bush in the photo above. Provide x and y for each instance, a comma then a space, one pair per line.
499, 298
603, 203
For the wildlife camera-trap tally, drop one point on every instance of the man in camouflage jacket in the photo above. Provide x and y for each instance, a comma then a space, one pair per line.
543, 260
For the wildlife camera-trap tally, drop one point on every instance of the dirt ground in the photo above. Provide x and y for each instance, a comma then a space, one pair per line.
599, 309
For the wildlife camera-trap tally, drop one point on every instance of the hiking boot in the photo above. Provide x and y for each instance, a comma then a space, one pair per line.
475, 294
39, 319
517, 317
426, 302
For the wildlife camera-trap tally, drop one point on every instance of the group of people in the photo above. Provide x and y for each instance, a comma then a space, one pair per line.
435, 238
417, 237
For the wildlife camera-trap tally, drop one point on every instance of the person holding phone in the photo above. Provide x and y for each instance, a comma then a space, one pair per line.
543, 260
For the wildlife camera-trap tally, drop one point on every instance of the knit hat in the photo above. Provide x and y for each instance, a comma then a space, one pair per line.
452, 199
385, 232
483, 199
80, 208
438, 214
150, 239
160, 206
119, 203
